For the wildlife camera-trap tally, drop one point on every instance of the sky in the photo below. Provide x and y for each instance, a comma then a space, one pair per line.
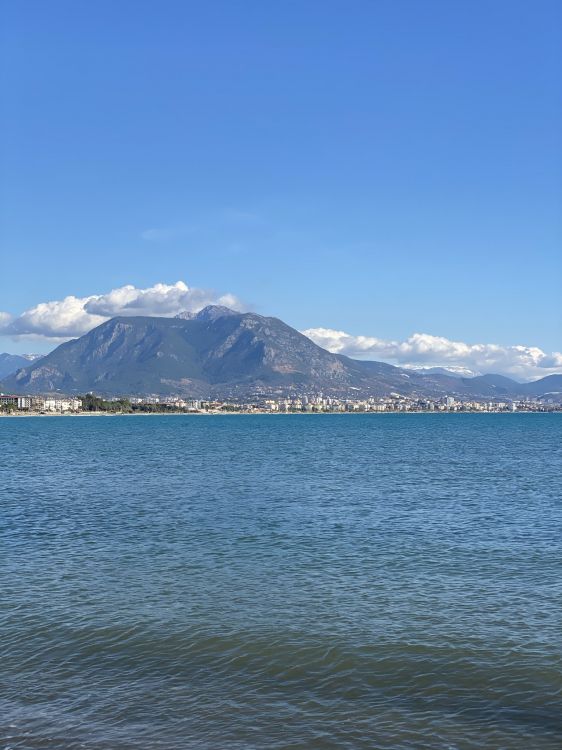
367, 171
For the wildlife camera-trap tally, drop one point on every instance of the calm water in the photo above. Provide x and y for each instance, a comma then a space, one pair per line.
281, 582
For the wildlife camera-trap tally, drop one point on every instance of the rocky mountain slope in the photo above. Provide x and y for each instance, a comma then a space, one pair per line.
222, 353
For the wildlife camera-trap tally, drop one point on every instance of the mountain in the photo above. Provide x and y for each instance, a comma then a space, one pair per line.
454, 370
10, 363
499, 385
496, 381
209, 313
551, 385
222, 353
217, 352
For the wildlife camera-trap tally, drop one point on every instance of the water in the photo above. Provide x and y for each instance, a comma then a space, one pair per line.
281, 582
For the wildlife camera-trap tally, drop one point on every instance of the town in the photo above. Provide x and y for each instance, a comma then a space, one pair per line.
312, 404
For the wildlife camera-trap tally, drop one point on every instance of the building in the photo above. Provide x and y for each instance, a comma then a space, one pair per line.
60, 404
18, 402
8, 400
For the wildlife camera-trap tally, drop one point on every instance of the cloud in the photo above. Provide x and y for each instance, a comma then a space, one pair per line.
231, 219
73, 316
524, 362
242, 218
163, 234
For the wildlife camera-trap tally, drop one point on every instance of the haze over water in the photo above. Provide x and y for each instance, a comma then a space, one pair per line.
286, 582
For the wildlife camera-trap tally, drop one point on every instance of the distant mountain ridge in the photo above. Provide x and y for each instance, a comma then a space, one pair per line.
456, 371
10, 363
222, 353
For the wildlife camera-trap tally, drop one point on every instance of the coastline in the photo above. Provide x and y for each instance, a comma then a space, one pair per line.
264, 413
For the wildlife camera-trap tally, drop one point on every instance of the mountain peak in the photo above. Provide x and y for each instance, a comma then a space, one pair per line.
208, 313
213, 312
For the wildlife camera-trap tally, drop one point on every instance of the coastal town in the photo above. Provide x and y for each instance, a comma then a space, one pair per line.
11, 404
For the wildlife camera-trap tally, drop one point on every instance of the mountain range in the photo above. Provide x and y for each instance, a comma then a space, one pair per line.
225, 354
10, 363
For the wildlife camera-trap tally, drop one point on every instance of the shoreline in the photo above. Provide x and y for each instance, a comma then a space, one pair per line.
263, 413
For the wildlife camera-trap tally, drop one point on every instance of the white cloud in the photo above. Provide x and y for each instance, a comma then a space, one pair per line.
163, 234
74, 316
243, 218
60, 318
524, 362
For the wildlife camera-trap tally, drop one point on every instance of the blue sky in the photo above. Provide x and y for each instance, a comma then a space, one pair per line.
380, 168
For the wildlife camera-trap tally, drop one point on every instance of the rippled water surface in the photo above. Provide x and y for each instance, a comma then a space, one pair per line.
281, 582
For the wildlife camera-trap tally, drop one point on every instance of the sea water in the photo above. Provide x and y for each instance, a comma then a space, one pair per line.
281, 582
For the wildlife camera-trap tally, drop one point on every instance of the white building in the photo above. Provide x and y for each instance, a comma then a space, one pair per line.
59, 404
20, 402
